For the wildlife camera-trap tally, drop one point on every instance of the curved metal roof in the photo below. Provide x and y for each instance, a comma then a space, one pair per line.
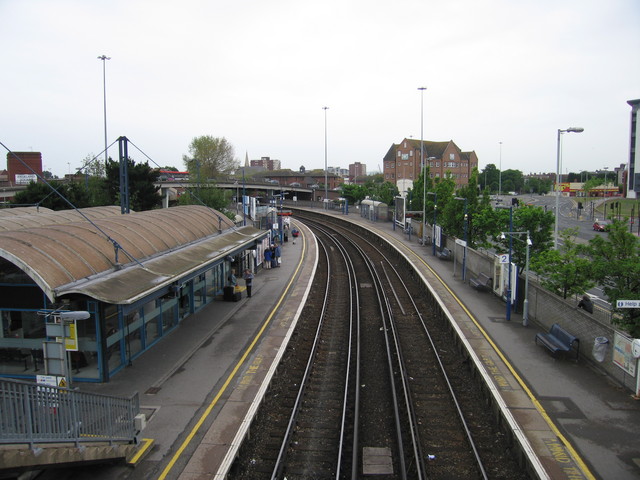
31, 218
59, 254
15, 211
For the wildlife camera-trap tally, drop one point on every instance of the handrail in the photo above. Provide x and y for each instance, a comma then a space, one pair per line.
31, 413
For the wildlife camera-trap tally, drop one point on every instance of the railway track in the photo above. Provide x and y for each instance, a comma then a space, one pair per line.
374, 396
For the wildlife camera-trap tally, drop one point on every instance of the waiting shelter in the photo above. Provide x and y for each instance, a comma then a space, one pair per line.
138, 275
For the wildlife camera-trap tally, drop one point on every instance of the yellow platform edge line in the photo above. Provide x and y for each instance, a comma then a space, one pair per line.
572, 451
145, 445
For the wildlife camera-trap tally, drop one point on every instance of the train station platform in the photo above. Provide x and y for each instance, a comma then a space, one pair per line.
199, 386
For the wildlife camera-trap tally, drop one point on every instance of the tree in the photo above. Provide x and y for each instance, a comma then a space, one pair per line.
512, 181
384, 192
210, 157
444, 189
489, 176
92, 166
565, 271
143, 194
616, 266
353, 193
453, 212
211, 196
591, 184
53, 196
419, 189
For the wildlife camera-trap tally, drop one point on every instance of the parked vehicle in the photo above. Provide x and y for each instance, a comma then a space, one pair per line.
601, 226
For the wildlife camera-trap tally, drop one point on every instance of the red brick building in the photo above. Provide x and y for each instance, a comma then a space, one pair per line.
27, 163
267, 162
357, 172
403, 163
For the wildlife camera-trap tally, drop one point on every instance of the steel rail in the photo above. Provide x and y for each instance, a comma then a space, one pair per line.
281, 460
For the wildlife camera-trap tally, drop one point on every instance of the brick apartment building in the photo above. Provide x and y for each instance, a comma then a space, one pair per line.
267, 162
357, 172
402, 162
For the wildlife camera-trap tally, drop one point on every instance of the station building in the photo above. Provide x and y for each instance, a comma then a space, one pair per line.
138, 275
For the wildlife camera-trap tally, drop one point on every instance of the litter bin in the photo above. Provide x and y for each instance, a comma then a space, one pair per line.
600, 348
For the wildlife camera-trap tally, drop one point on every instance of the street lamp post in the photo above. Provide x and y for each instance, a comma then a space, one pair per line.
560, 132
326, 191
422, 165
525, 304
104, 59
244, 208
500, 174
435, 213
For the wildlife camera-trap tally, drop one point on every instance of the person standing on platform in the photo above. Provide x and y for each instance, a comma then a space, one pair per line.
267, 257
248, 279
277, 255
233, 281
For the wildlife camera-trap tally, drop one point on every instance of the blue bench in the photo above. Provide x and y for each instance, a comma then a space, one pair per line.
482, 283
444, 254
558, 340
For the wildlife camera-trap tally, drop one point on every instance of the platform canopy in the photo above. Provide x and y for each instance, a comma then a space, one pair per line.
117, 258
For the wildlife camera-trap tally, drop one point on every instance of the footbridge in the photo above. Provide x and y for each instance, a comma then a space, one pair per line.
43, 425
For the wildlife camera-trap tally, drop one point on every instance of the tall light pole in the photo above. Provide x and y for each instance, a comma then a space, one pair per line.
558, 156
104, 59
422, 165
500, 176
326, 191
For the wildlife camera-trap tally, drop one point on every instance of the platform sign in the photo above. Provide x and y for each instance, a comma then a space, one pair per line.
47, 380
628, 304
71, 339
504, 258
54, 358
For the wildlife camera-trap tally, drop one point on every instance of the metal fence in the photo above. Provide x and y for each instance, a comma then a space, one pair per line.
31, 413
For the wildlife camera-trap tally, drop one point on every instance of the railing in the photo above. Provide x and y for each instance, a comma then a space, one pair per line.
31, 413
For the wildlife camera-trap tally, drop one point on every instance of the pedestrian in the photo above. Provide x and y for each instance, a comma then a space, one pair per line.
586, 303
277, 255
267, 257
248, 279
233, 281
274, 259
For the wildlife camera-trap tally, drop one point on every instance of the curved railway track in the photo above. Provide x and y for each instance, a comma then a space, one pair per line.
364, 386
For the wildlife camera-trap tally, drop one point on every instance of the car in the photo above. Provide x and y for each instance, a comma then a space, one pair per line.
601, 226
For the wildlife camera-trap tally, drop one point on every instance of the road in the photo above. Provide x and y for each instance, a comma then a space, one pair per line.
569, 218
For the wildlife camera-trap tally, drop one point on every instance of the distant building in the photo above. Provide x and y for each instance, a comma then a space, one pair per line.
402, 163
267, 162
357, 172
633, 172
23, 167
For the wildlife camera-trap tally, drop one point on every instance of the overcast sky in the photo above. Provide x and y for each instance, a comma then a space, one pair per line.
260, 72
